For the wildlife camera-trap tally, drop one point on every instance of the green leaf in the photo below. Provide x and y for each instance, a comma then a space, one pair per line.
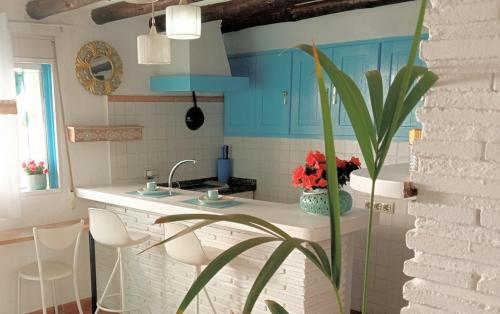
374, 79
416, 93
354, 105
332, 178
236, 218
217, 264
391, 102
270, 267
275, 308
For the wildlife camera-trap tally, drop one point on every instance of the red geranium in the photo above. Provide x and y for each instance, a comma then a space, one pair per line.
313, 173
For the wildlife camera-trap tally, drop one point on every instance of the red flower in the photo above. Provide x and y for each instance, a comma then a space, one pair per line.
311, 159
322, 183
341, 163
298, 175
41, 164
46, 171
356, 161
308, 182
320, 157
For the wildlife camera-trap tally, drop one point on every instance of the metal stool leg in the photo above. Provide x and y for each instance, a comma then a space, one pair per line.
107, 285
54, 298
122, 282
19, 279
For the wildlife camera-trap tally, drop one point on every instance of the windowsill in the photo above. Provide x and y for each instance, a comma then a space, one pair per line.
27, 193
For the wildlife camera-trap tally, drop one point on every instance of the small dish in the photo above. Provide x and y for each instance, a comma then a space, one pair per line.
222, 199
144, 191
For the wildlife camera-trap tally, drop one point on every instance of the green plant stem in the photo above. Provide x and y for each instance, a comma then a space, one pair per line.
364, 302
339, 300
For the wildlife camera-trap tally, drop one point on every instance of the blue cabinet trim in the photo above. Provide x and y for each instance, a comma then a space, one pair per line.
199, 83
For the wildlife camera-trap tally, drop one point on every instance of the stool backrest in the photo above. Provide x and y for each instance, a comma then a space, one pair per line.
57, 239
187, 248
107, 228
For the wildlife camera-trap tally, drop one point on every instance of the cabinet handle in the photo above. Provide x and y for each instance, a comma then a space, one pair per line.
334, 94
285, 97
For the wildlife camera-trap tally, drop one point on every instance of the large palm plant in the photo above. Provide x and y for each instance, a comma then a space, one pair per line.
374, 134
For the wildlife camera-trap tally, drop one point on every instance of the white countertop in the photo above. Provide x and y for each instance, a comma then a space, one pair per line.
393, 181
288, 217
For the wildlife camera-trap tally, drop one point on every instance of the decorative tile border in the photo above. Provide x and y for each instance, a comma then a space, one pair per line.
8, 107
104, 133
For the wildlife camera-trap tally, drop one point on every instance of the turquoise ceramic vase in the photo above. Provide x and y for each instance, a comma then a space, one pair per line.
37, 181
316, 202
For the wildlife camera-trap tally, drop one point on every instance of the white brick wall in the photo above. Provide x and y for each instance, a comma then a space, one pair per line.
456, 237
297, 284
273, 173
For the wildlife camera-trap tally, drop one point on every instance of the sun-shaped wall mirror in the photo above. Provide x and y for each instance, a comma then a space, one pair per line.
99, 68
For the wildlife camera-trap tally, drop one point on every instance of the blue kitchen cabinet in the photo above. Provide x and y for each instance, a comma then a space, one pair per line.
354, 60
394, 56
239, 106
306, 118
272, 82
263, 109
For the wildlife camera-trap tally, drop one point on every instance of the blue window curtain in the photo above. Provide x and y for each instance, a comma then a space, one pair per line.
48, 96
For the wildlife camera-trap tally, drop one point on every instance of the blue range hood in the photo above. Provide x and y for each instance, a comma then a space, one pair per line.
199, 83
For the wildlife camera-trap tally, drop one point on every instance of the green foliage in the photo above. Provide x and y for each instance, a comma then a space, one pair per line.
275, 308
375, 134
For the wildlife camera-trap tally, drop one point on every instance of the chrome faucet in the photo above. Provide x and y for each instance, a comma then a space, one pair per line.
170, 176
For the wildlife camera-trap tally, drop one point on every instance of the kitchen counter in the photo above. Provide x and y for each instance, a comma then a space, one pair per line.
286, 216
298, 285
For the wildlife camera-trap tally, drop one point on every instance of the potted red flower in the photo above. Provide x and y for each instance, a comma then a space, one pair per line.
312, 178
37, 174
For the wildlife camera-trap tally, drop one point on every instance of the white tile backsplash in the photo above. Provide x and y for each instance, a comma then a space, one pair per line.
166, 140
272, 160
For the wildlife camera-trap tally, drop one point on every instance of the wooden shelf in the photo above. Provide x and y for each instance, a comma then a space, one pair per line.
105, 133
393, 181
25, 234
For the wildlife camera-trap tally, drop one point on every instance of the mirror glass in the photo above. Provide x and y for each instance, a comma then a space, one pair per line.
101, 68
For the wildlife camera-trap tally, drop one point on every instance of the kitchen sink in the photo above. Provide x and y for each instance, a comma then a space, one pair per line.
198, 186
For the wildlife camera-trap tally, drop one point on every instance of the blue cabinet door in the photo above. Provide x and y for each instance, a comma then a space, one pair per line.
306, 118
239, 107
394, 55
354, 60
272, 82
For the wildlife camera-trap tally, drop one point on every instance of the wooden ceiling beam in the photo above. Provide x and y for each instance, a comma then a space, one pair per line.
240, 8
299, 12
122, 10
40, 9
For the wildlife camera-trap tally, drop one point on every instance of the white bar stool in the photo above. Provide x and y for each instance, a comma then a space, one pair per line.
187, 249
108, 229
53, 239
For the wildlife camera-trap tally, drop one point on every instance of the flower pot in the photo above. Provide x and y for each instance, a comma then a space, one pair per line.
37, 182
316, 202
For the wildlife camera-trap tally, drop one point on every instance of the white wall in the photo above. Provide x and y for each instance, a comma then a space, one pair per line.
390, 20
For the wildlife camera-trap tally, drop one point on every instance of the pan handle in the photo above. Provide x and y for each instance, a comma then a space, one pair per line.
194, 99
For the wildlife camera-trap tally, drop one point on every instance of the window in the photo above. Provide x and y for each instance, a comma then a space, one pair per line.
37, 123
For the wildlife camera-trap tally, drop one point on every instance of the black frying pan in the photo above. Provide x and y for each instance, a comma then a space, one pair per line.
194, 116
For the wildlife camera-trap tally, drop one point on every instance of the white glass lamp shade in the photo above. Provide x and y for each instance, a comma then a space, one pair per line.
153, 48
183, 22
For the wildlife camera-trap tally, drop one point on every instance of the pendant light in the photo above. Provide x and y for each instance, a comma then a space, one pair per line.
153, 48
183, 21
